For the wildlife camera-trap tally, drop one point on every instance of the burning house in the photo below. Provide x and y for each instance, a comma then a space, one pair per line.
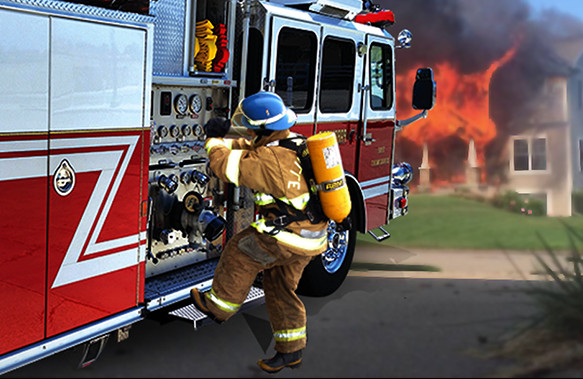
509, 112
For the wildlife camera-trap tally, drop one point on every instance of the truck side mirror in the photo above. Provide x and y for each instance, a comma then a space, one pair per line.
424, 89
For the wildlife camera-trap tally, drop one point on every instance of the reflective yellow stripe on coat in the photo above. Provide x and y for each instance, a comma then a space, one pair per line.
232, 170
299, 202
212, 142
310, 241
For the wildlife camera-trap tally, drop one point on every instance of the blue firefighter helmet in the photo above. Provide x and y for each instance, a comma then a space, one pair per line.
264, 110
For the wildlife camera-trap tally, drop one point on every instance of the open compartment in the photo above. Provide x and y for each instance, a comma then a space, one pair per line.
211, 38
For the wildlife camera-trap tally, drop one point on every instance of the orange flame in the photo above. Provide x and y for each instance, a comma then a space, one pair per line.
462, 107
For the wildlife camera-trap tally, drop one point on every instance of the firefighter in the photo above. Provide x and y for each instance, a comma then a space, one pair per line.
280, 244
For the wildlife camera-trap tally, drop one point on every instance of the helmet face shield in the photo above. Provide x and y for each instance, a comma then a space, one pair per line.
263, 110
237, 118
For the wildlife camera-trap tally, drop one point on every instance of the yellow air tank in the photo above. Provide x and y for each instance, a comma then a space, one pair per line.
329, 174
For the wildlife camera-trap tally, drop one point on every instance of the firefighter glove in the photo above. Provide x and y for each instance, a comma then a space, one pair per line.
217, 127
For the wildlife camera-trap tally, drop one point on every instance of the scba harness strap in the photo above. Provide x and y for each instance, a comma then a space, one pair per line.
286, 214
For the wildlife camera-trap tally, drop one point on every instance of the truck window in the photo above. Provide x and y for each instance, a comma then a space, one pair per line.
295, 68
381, 77
337, 83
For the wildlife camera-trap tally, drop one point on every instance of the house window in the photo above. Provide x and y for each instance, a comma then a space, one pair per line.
530, 154
539, 154
520, 155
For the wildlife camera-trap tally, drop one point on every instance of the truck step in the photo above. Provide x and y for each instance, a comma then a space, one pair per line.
254, 298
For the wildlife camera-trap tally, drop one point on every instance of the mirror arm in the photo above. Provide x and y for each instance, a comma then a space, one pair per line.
402, 123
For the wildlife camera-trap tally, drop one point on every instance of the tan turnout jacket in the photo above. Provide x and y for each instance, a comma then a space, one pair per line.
270, 171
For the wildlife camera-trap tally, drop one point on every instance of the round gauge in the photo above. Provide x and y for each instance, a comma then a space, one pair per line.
198, 130
181, 104
162, 131
195, 103
186, 130
174, 131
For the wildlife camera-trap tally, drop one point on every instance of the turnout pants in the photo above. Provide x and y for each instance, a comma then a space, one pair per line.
244, 256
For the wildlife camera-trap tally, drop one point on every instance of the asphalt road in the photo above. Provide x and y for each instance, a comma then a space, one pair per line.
380, 323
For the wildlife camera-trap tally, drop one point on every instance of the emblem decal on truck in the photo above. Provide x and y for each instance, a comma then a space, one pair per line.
64, 179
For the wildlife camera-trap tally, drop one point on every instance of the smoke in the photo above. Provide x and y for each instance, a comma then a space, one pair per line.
471, 35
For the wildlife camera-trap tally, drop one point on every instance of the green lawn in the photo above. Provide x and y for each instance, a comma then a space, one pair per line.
453, 222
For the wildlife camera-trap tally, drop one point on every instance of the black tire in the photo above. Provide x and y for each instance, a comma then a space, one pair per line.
317, 280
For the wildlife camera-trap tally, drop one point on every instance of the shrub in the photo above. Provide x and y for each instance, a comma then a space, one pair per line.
517, 203
560, 300
551, 340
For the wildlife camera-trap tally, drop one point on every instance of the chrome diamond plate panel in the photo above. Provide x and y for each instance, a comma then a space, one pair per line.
80, 9
169, 32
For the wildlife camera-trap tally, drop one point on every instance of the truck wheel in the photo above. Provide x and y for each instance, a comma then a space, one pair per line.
326, 272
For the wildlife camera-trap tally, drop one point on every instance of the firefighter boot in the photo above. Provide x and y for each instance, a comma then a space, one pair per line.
281, 361
199, 301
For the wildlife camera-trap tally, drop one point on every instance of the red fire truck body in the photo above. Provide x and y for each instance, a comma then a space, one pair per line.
109, 213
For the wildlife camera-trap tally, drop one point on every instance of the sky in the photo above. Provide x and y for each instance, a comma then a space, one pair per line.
572, 7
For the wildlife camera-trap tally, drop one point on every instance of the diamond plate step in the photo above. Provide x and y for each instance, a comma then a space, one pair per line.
189, 312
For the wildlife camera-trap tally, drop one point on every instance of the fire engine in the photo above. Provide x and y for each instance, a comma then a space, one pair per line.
109, 211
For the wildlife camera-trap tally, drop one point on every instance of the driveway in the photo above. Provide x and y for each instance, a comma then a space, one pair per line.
380, 323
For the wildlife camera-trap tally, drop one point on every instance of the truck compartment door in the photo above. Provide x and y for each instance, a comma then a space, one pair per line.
98, 99
377, 133
24, 76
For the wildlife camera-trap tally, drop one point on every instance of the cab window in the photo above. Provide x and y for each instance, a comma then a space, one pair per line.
337, 82
381, 77
296, 68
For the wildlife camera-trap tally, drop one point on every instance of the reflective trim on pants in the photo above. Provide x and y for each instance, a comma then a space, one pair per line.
222, 304
288, 335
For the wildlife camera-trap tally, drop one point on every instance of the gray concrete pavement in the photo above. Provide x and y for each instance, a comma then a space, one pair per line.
379, 324
371, 327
